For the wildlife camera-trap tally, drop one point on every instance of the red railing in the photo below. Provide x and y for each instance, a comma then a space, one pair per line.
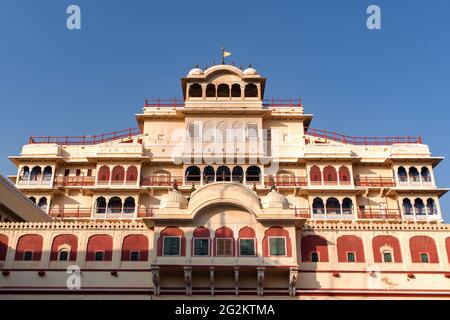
302, 213
77, 181
286, 181
369, 213
179, 103
86, 140
145, 212
160, 180
374, 181
362, 140
77, 212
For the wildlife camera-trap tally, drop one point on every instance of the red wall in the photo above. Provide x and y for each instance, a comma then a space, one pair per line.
248, 232
3, 246
423, 244
224, 232
447, 246
350, 243
312, 243
276, 232
29, 242
135, 242
68, 239
99, 242
380, 241
175, 232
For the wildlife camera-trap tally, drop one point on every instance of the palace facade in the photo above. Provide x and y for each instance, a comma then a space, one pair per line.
226, 194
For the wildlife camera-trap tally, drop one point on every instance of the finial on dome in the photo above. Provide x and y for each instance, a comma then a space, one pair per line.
193, 187
254, 186
250, 65
240, 67
213, 63
273, 186
196, 65
232, 63
174, 185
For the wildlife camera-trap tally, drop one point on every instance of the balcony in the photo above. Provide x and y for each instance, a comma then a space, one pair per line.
414, 182
374, 182
77, 181
34, 181
67, 213
379, 214
286, 181
415, 214
333, 214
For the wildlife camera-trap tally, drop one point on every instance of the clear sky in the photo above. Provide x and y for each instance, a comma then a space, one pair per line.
393, 81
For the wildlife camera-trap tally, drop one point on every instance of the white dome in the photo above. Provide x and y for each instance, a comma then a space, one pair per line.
250, 71
195, 72
173, 199
274, 199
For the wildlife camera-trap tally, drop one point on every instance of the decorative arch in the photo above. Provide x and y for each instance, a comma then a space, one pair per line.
68, 240
407, 206
224, 233
314, 243
347, 206
208, 174
210, 91
223, 174
195, 90
237, 175
251, 91
318, 206
223, 90
413, 174
42, 204
135, 243
379, 242
425, 174
36, 173
315, 175
208, 131
171, 232
253, 174
115, 205
192, 174
129, 205
419, 245
100, 205
330, 175
24, 173
201, 232
235, 90
221, 131
118, 174
99, 243
103, 174
350, 243
132, 174
47, 176
276, 232
3, 246
29, 243
344, 175
419, 207
333, 206
431, 207
247, 233
402, 175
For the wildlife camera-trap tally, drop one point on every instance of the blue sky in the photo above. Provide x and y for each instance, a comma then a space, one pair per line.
393, 81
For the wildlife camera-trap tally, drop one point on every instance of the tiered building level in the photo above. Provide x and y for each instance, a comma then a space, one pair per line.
224, 192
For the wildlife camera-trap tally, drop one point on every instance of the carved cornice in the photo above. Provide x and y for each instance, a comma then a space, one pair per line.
376, 226
75, 225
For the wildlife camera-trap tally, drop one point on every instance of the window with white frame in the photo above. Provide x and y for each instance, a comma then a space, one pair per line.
171, 246
247, 247
224, 247
63, 255
201, 246
277, 246
424, 258
387, 256
351, 257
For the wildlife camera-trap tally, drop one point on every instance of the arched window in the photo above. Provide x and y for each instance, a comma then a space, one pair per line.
224, 242
236, 90
431, 206
103, 175
118, 175
253, 174
330, 175
252, 132
208, 131
132, 174
333, 206
223, 174
210, 91
315, 175
100, 205
135, 248
407, 206
195, 90
33, 199
161, 178
237, 174
344, 175
420, 245
24, 174
42, 203
413, 174
129, 205
3, 246
47, 174
171, 242
247, 242
193, 131
419, 207
347, 206
314, 249
379, 243
251, 91
277, 242
350, 249
318, 206
221, 132
223, 90
193, 173
201, 242
208, 174
29, 248
35, 174
402, 175
115, 205
425, 174
99, 248
66, 242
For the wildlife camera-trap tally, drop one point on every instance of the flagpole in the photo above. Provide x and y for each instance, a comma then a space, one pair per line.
223, 55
